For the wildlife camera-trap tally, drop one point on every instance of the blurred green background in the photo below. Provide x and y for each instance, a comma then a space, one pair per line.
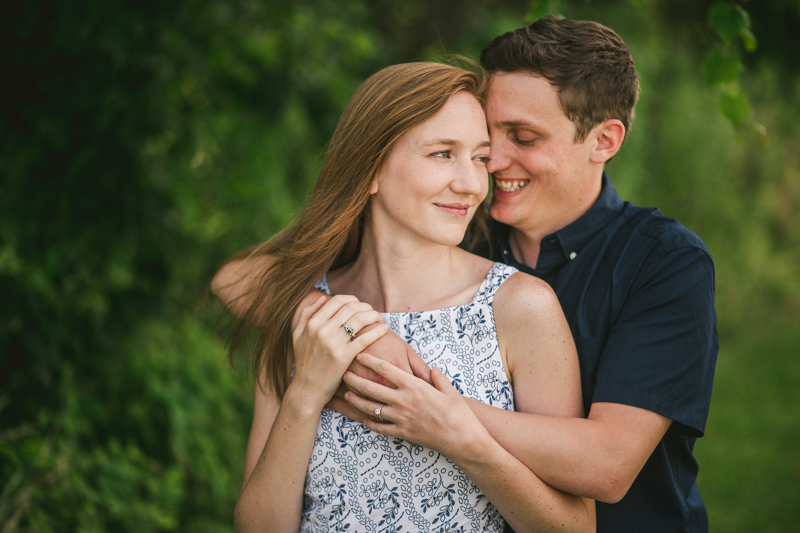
142, 143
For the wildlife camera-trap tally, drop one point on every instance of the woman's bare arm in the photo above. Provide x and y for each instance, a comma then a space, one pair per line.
282, 434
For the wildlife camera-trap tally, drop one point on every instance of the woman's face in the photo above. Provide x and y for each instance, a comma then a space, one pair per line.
435, 177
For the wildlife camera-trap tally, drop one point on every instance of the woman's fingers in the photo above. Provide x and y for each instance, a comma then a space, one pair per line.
368, 337
357, 315
384, 428
333, 306
369, 389
368, 407
306, 314
385, 370
344, 408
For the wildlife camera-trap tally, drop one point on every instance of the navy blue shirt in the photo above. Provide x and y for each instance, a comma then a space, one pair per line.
637, 289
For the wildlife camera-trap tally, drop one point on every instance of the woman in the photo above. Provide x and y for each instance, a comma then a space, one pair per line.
403, 177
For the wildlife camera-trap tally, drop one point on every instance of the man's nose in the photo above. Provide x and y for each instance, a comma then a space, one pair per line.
498, 158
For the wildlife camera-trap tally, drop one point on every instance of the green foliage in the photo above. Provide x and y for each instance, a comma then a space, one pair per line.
143, 143
539, 9
723, 66
729, 20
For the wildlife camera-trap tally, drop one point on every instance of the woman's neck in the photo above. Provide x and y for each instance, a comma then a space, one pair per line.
401, 274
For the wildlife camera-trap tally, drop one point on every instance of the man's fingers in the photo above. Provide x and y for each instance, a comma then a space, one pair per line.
418, 366
441, 382
340, 392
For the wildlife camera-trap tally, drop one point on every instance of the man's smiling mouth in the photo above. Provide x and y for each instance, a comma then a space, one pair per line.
510, 185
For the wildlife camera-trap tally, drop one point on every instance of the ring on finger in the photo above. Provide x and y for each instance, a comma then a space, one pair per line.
350, 331
378, 411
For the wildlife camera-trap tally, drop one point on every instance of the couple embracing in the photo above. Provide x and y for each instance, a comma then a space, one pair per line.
423, 367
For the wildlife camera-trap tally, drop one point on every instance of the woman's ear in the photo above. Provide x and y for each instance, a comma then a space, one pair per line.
374, 188
608, 140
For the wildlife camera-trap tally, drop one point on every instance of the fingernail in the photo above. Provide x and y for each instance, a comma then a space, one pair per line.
359, 357
347, 396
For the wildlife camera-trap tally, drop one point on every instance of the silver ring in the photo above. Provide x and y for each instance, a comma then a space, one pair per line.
350, 331
378, 412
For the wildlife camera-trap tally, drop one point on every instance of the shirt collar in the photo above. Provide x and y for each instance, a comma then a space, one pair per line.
565, 244
576, 235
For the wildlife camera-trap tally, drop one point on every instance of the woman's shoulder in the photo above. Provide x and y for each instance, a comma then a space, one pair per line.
523, 298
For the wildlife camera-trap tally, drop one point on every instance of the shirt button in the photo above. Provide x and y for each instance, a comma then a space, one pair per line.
573, 255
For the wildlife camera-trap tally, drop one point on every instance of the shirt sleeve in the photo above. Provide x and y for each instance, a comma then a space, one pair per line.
662, 349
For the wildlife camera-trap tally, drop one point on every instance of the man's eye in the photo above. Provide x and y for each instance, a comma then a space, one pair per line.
443, 155
484, 159
523, 139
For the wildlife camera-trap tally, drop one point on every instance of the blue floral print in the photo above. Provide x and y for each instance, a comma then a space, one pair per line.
358, 480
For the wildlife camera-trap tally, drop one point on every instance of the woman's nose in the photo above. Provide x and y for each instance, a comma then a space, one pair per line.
473, 179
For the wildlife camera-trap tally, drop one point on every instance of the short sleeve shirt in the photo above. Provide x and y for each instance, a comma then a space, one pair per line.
637, 289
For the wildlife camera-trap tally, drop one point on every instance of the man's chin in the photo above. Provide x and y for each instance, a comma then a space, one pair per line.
502, 212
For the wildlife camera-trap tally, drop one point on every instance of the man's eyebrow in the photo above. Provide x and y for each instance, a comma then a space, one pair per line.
513, 124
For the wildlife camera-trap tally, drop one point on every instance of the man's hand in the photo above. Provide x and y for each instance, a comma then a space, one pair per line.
392, 349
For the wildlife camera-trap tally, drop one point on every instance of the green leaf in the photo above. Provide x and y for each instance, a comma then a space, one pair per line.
719, 69
735, 106
539, 9
749, 40
728, 19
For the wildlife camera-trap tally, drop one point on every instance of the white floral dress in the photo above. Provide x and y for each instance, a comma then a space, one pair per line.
360, 481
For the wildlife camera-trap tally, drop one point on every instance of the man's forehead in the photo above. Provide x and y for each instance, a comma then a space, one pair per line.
521, 99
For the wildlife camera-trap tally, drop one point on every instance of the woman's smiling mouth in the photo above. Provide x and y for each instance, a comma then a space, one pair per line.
457, 210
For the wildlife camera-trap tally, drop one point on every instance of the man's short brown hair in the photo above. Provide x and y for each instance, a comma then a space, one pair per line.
588, 63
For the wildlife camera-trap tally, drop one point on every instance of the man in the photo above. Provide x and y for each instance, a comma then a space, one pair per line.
637, 288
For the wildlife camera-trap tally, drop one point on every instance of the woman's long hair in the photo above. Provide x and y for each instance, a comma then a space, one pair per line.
327, 232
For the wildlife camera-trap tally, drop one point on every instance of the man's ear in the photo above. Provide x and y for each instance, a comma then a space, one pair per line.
608, 140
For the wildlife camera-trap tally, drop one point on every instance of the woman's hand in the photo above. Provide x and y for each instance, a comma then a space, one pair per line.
436, 417
323, 349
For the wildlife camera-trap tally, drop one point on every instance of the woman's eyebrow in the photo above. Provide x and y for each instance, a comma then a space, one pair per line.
448, 142
451, 142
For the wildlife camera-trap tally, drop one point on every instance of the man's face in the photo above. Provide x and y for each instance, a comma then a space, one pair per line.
543, 180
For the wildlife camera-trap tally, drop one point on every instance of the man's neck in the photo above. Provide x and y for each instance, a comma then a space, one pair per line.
525, 249
525, 241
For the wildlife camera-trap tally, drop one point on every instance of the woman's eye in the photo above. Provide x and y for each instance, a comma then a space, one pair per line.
483, 159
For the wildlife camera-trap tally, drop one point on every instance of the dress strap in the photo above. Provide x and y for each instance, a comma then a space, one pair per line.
322, 284
496, 276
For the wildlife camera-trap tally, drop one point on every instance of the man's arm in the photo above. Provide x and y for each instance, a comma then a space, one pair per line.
598, 457
234, 284
654, 370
